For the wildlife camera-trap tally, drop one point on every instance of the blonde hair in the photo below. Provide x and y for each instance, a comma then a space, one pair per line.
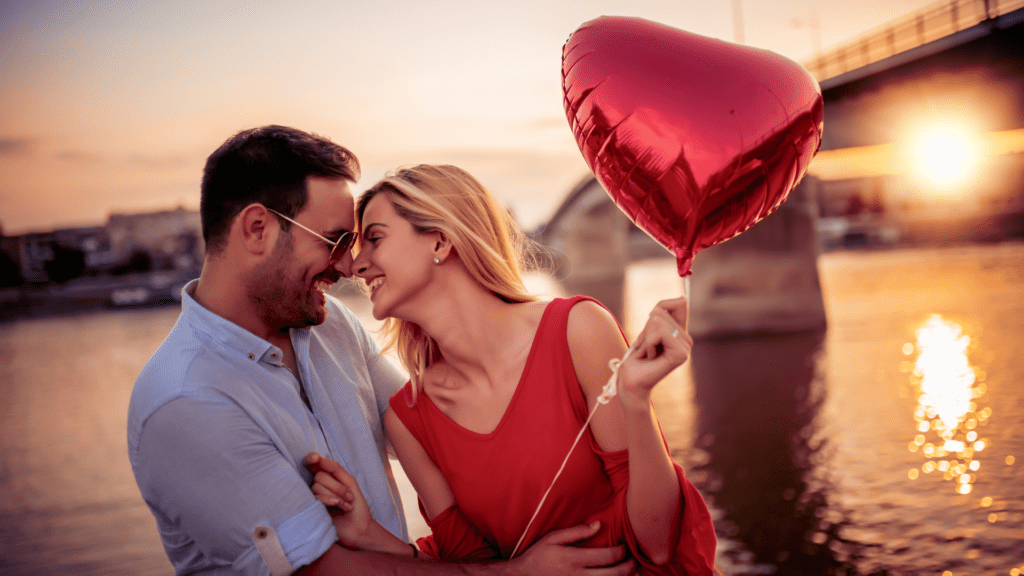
483, 234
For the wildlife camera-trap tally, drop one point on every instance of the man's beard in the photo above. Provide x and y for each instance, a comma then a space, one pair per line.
281, 300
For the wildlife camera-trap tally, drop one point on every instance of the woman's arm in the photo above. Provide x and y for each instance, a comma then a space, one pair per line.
453, 536
334, 487
654, 501
554, 554
431, 486
424, 475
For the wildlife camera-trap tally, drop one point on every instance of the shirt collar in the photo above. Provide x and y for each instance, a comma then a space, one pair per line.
226, 332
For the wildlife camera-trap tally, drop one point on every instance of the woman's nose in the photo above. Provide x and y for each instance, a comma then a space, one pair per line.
357, 265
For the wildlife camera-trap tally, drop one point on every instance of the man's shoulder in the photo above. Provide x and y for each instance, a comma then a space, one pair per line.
341, 325
174, 358
338, 314
179, 368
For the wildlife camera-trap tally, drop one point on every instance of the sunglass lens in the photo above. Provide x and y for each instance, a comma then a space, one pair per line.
343, 246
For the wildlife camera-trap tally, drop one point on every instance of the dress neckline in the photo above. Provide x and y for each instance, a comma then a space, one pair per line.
515, 395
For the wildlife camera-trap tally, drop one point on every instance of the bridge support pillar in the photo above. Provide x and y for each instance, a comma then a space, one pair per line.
591, 243
763, 281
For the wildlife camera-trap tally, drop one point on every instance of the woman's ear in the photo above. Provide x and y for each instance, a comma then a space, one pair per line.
253, 229
442, 246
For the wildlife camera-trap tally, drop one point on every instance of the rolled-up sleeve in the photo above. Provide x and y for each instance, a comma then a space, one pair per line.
215, 475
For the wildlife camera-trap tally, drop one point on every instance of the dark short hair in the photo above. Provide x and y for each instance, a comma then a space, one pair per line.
268, 165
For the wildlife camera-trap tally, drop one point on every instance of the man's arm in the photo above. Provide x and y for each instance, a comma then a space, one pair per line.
219, 481
552, 555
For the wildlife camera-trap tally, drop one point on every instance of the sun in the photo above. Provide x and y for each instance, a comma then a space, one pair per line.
945, 157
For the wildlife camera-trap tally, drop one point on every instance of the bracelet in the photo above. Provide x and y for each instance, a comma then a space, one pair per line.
415, 551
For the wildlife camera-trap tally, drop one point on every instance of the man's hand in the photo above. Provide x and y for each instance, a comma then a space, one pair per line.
553, 555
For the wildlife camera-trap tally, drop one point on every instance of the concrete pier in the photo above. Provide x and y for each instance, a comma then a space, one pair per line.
588, 238
762, 281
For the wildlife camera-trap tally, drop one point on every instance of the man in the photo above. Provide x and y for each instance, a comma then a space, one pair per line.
263, 368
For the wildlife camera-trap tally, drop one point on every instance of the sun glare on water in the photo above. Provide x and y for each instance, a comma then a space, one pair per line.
947, 413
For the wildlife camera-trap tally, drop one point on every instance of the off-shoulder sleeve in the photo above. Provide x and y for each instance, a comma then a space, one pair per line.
695, 552
454, 538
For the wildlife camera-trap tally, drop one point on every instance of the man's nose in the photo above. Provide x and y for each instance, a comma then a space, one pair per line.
344, 265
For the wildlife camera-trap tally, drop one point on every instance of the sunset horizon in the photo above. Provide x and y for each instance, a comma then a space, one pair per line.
113, 107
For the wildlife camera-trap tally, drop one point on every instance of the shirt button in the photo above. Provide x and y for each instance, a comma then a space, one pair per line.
273, 354
261, 532
252, 356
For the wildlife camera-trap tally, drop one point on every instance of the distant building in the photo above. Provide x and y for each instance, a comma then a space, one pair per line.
61, 254
171, 238
165, 240
10, 270
892, 209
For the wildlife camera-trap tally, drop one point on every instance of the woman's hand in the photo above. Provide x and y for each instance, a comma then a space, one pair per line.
662, 346
338, 490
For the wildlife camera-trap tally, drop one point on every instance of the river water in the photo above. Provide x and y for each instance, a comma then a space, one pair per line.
886, 444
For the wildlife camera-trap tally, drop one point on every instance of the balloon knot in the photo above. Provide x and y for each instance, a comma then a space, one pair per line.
612, 387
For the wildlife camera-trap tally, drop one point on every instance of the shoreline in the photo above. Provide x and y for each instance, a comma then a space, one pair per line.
93, 293
163, 287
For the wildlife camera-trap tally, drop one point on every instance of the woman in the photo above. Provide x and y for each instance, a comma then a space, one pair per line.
501, 383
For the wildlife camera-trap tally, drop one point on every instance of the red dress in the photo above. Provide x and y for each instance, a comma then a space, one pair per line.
499, 478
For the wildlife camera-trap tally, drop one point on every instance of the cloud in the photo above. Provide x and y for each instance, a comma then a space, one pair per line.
546, 123
14, 146
136, 161
532, 183
168, 161
81, 157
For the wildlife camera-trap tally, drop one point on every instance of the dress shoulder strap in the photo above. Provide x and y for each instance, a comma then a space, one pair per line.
404, 407
562, 307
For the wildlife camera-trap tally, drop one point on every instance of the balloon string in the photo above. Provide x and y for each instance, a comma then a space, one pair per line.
607, 393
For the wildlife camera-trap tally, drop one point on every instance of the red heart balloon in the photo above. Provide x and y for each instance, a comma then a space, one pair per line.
695, 139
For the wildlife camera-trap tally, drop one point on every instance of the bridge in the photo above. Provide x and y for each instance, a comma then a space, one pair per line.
924, 126
947, 80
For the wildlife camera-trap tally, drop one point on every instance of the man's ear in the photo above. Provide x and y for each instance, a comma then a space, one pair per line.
442, 245
254, 230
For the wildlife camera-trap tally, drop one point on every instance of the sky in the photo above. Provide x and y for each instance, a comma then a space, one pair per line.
112, 107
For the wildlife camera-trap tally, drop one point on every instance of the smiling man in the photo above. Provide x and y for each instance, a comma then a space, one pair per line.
263, 368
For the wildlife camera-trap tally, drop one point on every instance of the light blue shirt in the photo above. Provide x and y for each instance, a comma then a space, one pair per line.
217, 431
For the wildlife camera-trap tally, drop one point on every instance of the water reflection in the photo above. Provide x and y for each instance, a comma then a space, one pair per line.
950, 389
758, 399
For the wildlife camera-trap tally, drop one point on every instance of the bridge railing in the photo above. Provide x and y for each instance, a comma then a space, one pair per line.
927, 25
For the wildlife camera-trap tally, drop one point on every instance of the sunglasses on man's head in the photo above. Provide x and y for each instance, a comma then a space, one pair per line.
339, 247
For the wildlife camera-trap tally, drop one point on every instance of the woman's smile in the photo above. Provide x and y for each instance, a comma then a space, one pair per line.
374, 284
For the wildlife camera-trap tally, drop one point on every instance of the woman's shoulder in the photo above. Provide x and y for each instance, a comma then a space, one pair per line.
575, 308
581, 317
403, 400
534, 311
526, 317
592, 332
587, 315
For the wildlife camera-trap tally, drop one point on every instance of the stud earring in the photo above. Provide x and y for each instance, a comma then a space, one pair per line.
437, 260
